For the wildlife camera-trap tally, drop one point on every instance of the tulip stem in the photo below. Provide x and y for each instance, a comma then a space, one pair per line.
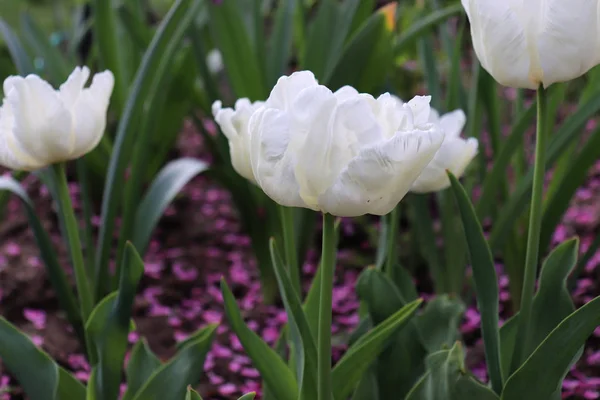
286, 214
521, 350
328, 259
82, 282
392, 242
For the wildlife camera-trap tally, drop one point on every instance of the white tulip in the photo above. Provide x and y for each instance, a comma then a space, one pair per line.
40, 126
234, 125
525, 43
342, 153
454, 155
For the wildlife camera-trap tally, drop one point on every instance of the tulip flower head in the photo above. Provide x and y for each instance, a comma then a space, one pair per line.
234, 125
525, 43
454, 155
342, 153
40, 126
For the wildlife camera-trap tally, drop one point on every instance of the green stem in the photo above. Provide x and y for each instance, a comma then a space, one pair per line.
521, 349
392, 242
328, 258
72, 230
286, 215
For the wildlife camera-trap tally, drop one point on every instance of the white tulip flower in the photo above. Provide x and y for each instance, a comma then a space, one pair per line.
454, 155
525, 43
342, 153
40, 126
234, 125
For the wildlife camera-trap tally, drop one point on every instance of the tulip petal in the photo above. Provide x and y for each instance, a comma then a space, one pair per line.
453, 123
381, 175
272, 164
568, 41
11, 156
42, 125
454, 155
500, 41
288, 88
89, 113
71, 89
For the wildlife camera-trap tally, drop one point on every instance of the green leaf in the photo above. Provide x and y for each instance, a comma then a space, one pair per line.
370, 63
17, 52
360, 355
316, 50
438, 324
56, 273
553, 356
57, 65
109, 47
192, 394
248, 396
569, 131
172, 379
339, 34
142, 364
575, 175
155, 64
303, 340
424, 25
108, 326
170, 180
446, 378
280, 43
239, 57
39, 376
552, 294
272, 368
401, 363
368, 387
497, 175
486, 282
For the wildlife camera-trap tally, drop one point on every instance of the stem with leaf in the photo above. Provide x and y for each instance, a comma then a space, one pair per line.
533, 237
328, 259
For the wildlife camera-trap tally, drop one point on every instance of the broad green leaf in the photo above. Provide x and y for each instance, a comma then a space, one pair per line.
109, 326
424, 25
280, 43
553, 356
200, 53
192, 394
368, 387
56, 64
302, 337
171, 380
369, 53
170, 180
552, 294
110, 47
340, 32
401, 363
56, 273
17, 52
317, 51
447, 378
575, 175
39, 376
239, 57
272, 368
248, 396
486, 282
348, 371
155, 64
438, 324
142, 364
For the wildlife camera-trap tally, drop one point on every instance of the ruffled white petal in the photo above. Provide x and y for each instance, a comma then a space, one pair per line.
380, 176
454, 155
